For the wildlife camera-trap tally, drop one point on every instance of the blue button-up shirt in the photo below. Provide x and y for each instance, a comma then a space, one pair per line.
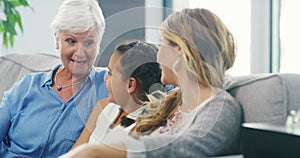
35, 122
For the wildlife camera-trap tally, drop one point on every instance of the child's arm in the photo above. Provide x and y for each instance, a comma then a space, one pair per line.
91, 123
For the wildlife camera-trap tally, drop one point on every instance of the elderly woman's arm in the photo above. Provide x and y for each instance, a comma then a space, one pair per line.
5, 117
11, 105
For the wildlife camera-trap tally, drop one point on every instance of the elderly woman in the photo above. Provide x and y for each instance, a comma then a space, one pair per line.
43, 114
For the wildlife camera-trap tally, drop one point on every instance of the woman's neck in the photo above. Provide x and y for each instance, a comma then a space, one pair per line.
66, 76
194, 93
192, 99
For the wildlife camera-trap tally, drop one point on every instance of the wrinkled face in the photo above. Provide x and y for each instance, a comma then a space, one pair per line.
78, 50
116, 85
166, 56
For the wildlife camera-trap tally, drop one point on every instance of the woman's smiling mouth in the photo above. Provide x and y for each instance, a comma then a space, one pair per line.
78, 61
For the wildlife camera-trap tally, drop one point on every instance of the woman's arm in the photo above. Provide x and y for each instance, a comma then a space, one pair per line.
5, 117
91, 123
11, 104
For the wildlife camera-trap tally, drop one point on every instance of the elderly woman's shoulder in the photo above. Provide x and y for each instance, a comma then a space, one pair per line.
100, 72
100, 69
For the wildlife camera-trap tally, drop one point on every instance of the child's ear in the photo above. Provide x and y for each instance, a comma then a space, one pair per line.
132, 85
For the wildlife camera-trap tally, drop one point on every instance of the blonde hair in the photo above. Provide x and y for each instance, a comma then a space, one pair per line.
209, 50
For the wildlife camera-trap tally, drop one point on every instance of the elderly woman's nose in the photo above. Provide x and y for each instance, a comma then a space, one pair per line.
80, 49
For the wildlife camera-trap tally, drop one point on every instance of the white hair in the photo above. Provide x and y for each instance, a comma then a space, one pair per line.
79, 16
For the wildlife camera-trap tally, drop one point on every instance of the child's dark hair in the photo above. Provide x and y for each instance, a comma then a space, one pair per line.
138, 60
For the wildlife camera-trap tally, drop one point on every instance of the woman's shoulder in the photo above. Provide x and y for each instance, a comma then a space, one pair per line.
221, 106
33, 78
100, 71
225, 99
97, 75
41, 76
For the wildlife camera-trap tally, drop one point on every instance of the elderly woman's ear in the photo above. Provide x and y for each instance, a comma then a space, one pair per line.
56, 41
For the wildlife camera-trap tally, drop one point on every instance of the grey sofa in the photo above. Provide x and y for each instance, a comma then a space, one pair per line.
264, 97
14, 66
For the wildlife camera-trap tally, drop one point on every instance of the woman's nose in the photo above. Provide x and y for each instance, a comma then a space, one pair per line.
79, 50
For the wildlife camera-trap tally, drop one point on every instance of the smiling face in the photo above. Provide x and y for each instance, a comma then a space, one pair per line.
133, 72
166, 57
108, 78
78, 50
115, 82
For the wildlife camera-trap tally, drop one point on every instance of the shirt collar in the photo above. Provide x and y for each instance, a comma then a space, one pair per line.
48, 79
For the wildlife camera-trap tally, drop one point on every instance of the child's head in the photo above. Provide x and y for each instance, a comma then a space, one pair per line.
133, 72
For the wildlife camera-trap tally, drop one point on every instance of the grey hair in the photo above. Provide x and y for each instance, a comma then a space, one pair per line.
79, 16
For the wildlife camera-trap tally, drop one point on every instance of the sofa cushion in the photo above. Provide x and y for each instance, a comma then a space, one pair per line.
14, 66
262, 96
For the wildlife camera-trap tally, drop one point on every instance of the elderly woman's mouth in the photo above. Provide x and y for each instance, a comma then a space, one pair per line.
78, 61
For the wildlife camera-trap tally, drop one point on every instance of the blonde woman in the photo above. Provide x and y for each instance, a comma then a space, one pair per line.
198, 118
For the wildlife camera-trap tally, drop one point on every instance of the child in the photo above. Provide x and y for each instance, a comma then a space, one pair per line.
133, 73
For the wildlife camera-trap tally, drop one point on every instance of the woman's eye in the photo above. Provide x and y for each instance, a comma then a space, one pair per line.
71, 41
89, 43
109, 73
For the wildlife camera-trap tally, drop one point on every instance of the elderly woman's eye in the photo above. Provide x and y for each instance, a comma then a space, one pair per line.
70, 41
89, 43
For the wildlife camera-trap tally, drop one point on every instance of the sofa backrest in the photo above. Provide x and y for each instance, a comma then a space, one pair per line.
266, 97
14, 66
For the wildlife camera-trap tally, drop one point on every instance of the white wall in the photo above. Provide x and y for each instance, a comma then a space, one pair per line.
154, 8
37, 36
239, 25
